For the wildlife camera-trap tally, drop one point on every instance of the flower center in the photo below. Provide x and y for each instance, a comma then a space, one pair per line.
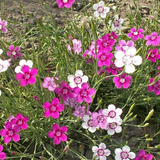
100, 118
53, 108
135, 33
100, 152
153, 37
122, 80
116, 23
65, 1
143, 158
112, 114
127, 59
14, 53
58, 133
105, 44
152, 55
112, 125
65, 91
27, 76
83, 93
124, 155
100, 9
103, 57
78, 80
10, 133
90, 123
19, 122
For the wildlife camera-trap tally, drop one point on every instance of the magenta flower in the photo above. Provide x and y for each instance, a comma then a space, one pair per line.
14, 52
143, 156
154, 87
2, 154
64, 91
112, 35
113, 69
81, 111
136, 34
84, 93
152, 39
49, 83
122, 81
36, 98
3, 26
53, 109
20, 121
10, 132
65, 3
104, 58
58, 134
153, 55
27, 77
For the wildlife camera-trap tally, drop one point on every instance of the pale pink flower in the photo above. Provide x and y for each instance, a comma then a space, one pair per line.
3, 26
49, 83
153, 55
65, 3
152, 39
80, 111
2, 154
14, 51
77, 44
136, 34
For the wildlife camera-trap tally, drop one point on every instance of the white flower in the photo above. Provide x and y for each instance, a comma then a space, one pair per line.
100, 152
116, 25
4, 64
113, 127
22, 63
0, 93
113, 114
124, 153
88, 124
77, 80
127, 59
100, 9
1, 51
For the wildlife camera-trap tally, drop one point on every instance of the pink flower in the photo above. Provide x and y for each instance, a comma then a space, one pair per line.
153, 55
77, 44
112, 35
2, 154
64, 91
154, 87
10, 132
3, 26
104, 58
113, 69
136, 34
27, 77
14, 52
53, 109
49, 83
65, 3
36, 98
81, 111
152, 39
143, 156
84, 93
122, 81
71, 102
20, 121
58, 134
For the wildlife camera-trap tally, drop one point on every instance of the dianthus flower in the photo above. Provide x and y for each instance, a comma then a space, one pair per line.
58, 134
10, 132
36, 98
80, 111
65, 3
113, 127
14, 52
152, 39
122, 81
27, 76
53, 109
64, 91
153, 55
1, 51
3, 26
113, 69
2, 154
143, 156
78, 79
100, 152
101, 10
124, 153
49, 83
136, 34
4, 64
154, 87
117, 23
77, 44
127, 59
84, 93
113, 35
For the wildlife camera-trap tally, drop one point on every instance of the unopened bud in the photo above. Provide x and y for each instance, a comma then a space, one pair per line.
149, 115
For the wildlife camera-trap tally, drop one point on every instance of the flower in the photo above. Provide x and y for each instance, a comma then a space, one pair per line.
88, 124
143, 156
152, 39
36, 98
58, 134
27, 76
136, 34
10, 132
122, 81
14, 52
64, 91
113, 69
71, 102
84, 93
4, 64
78, 79
153, 55
77, 44
1, 51
21, 65
65, 3
116, 25
2, 154
101, 10
49, 83
113, 114
53, 109
127, 59
113, 127
100, 152
124, 153
154, 87
3, 26
20, 121
80, 111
